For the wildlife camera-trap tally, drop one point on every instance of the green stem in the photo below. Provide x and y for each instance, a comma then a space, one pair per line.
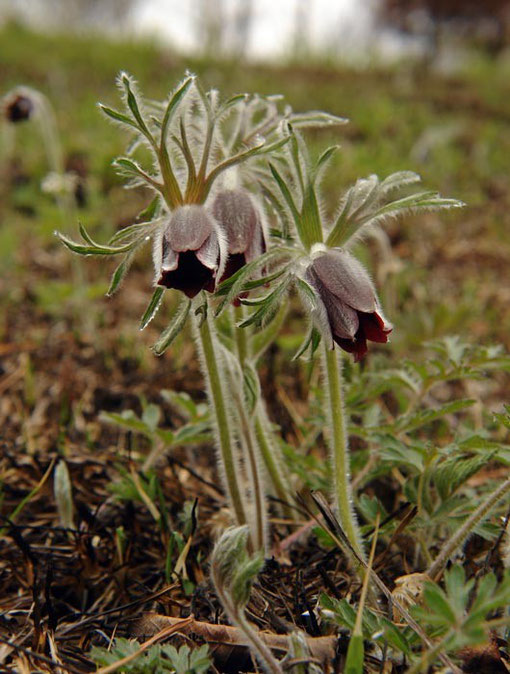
437, 566
217, 399
254, 473
241, 336
269, 453
261, 649
340, 450
267, 447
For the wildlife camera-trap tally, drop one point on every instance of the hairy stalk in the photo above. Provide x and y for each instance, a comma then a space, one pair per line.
253, 465
258, 646
271, 458
437, 566
338, 442
217, 397
268, 448
241, 336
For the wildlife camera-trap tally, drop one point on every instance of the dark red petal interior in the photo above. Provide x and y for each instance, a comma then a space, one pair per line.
191, 276
372, 326
358, 346
235, 262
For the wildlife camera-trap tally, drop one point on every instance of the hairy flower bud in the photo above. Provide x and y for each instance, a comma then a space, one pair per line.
240, 220
187, 252
17, 107
348, 308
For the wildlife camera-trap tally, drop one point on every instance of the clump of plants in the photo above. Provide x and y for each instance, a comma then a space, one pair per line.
238, 229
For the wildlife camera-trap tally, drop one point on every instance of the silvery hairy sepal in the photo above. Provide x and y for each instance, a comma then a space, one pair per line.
240, 220
347, 310
189, 251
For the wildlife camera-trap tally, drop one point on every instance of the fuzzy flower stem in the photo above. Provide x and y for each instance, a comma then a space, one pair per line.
217, 399
240, 336
255, 475
268, 449
340, 449
437, 566
261, 649
268, 453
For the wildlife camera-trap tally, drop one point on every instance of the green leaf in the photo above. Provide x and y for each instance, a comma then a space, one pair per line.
311, 341
129, 167
457, 590
262, 148
173, 104
93, 248
441, 613
127, 420
310, 216
413, 421
151, 416
120, 273
397, 180
355, 655
287, 196
238, 282
268, 306
118, 116
315, 118
175, 327
394, 636
152, 309
133, 106
450, 474
323, 160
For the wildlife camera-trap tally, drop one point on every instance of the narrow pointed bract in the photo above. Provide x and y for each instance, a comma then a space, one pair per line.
187, 252
348, 310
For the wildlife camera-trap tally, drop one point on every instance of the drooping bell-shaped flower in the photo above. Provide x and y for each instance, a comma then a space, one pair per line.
241, 223
188, 251
17, 107
347, 307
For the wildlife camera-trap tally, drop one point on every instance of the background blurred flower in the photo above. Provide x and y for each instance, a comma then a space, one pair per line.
17, 107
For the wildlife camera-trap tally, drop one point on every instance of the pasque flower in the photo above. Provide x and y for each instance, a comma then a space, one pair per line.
17, 107
188, 251
240, 220
347, 308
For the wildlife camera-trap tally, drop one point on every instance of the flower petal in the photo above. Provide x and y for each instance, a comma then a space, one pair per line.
209, 251
191, 276
235, 212
373, 327
342, 318
169, 258
358, 347
188, 229
347, 279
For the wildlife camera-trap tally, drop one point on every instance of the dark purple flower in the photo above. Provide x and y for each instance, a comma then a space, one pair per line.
348, 310
187, 252
17, 107
240, 221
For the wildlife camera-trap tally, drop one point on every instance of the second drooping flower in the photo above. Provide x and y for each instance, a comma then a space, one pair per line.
347, 308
